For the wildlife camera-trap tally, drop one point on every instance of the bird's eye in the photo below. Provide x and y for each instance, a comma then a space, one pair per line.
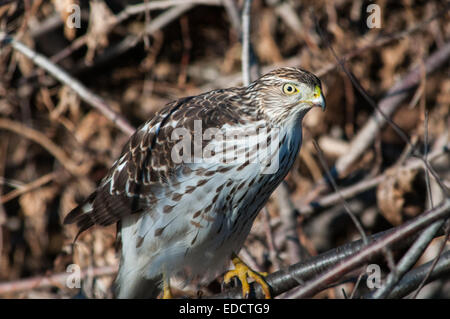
289, 89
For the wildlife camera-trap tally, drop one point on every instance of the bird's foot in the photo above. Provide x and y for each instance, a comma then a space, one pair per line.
167, 293
242, 272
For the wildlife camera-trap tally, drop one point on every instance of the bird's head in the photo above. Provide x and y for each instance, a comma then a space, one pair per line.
287, 93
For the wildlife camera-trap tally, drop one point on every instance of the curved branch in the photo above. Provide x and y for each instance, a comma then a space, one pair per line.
85, 94
339, 261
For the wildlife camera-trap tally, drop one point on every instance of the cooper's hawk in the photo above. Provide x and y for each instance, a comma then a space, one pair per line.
191, 180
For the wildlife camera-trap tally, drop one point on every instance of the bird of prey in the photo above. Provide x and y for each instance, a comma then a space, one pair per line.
190, 181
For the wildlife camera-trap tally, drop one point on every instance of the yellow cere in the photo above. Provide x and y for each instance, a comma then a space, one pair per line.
317, 92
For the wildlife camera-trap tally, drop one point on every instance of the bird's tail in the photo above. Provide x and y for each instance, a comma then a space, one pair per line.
82, 216
132, 280
132, 285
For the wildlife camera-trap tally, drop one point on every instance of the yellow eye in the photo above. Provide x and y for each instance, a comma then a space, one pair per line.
289, 89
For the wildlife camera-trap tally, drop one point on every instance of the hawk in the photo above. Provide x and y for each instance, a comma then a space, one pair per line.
190, 181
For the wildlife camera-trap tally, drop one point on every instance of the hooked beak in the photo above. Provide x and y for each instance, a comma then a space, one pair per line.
319, 99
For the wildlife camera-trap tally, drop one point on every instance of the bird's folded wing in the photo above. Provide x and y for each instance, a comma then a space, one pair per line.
145, 172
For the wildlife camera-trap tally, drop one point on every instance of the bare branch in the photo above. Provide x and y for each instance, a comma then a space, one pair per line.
413, 278
416, 250
273, 250
336, 188
47, 144
28, 187
408, 260
233, 14
433, 265
288, 216
55, 280
85, 94
246, 77
135, 9
365, 185
374, 248
343, 259
236, 79
388, 105
132, 40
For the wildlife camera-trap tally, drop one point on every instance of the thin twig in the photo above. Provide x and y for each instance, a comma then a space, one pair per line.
246, 72
135, 9
433, 265
47, 144
273, 251
288, 217
286, 11
28, 187
373, 248
408, 260
353, 190
412, 279
85, 94
416, 250
343, 259
55, 280
336, 188
165, 18
132, 40
378, 43
236, 79
384, 116
233, 14
386, 108
358, 281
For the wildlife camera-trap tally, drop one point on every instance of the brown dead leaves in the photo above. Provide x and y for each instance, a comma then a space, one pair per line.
392, 57
34, 207
100, 21
391, 194
65, 147
65, 9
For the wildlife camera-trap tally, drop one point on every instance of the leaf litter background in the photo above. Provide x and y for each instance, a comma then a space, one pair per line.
198, 51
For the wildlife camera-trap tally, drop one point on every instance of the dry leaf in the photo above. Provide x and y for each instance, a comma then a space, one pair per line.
266, 46
100, 20
34, 206
26, 66
392, 57
65, 9
391, 192
68, 100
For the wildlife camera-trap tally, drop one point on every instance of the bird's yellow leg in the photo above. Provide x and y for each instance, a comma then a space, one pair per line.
242, 271
167, 293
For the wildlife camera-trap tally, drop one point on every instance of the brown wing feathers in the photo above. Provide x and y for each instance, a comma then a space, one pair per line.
148, 165
107, 204
79, 216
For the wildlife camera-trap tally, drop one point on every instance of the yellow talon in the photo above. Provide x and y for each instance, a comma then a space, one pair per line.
242, 271
167, 293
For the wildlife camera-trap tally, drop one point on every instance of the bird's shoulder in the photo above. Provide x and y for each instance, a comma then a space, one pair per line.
148, 154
